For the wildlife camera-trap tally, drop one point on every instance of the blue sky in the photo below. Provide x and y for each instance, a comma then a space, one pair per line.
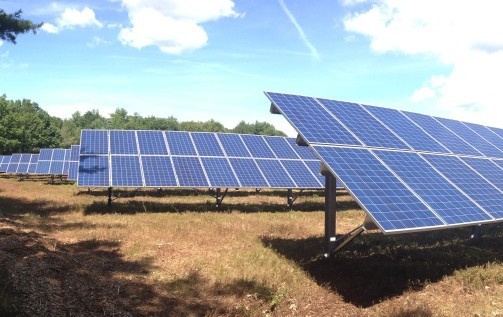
212, 59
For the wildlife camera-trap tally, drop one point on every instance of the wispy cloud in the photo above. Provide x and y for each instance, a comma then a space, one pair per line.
303, 37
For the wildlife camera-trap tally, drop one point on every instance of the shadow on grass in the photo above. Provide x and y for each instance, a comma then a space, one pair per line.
375, 267
133, 207
42, 277
14, 208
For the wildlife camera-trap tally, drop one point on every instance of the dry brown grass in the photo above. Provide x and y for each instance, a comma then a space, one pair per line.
172, 253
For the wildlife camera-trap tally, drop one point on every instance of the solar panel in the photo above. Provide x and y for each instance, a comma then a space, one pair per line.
32, 166
94, 142
93, 171
406, 129
53, 162
207, 144
14, 163
393, 174
73, 163
371, 134
5, 163
257, 146
443, 135
201, 159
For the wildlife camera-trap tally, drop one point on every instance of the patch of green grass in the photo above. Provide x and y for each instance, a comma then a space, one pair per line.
481, 276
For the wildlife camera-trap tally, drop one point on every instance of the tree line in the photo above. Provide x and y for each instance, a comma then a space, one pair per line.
26, 128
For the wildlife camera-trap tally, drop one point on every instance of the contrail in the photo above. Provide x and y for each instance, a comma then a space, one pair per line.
312, 49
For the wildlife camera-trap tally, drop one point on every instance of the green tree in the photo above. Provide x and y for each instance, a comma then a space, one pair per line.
11, 25
25, 127
261, 128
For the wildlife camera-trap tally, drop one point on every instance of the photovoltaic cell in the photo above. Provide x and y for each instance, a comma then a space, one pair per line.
406, 129
126, 171
373, 133
93, 171
248, 173
219, 172
446, 200
257, 146
190, 172
479, 143
158, 171
180, 143
152, 143
314, 123
482, 192
207, 144
444, 136
382, 194
281, 148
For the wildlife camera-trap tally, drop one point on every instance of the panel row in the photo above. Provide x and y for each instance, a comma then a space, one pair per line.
323, 121
18, 163
415, 191
118, 158
145, 142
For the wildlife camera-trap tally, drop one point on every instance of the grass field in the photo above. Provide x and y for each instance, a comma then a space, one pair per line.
63, 252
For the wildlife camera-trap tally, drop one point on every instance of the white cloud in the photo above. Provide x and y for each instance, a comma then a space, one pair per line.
302, 34
465, 35
172, 25
71, 18
1, 42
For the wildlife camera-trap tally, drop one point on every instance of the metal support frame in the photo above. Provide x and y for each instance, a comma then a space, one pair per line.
291, 198
330, 208
219, 196
476, 232
110, 196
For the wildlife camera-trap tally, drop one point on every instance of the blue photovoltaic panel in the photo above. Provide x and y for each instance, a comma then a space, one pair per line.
25, 158
301, 174
233, 145
488, 169
32, 167
22, 168
248, 173
372, 133
158, 171
315, 168
93, 171
482, 192
5, 163
152, 143
123, 142
487, 134
207, 144
406, 129
74, 153
379, 192
446, 200
314, 122
94, 142
498, 131
180, 143
305, 152
275, 174
14, 163
73, 170
219, 172
444, 136
56, 168
45, 154
58, 155
281, 148
473, 138
190, 172
257, 146
126, 171
43, 167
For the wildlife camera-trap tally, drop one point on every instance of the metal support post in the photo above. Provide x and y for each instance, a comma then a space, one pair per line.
219, 196
289, 197
476, 232
330, 208
109, 196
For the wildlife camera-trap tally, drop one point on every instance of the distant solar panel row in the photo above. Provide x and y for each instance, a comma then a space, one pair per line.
19, 163
408, 171
53, 162
124, 158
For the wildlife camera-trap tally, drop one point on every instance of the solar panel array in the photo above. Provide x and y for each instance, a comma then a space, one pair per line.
73, 163
408, 171
21, 164
4, 163
53, 162
127, 158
